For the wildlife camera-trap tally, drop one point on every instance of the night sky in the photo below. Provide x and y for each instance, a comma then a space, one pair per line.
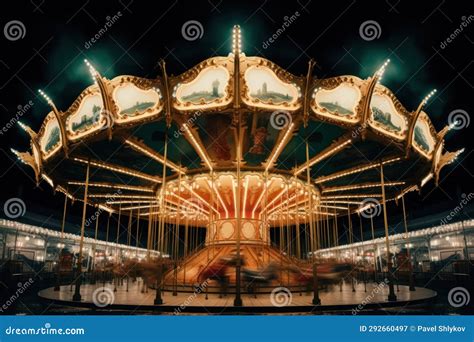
413, 34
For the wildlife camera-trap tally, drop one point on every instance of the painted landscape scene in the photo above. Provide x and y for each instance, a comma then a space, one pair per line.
88, 120
266, 95
384, 118
53, 138
204, 95
137, 107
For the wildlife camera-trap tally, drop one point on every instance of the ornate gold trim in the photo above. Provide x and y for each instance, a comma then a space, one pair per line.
284, 77
399, 109
331, 84
139, 115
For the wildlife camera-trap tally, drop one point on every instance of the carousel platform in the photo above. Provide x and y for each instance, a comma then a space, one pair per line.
366, 297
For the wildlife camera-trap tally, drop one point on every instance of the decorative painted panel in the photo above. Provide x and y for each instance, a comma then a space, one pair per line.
338, 99
387, 115
50, 140
86, 114
210, 88
264, 89
423, 139
339, 102
133, 102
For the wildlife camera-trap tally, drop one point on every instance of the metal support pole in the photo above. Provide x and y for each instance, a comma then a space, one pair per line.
374, 247
316, 299
116, 247
158, 300
77, 291
391, 296
351, 239
93, 279
410, 264
58, 278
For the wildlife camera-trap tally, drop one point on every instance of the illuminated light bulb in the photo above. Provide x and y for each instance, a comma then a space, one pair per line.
48, 180
453, 124
23, 126
92, 70
46, 97
427, 97
457, 155
236, 40
17, 154
381, 70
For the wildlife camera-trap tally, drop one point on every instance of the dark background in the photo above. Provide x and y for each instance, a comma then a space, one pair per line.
50, 56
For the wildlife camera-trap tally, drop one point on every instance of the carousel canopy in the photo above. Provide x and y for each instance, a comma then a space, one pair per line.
185, 142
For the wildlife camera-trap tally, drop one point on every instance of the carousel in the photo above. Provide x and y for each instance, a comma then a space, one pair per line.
238, 170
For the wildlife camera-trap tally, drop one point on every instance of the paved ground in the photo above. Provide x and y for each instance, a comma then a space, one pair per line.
333, 296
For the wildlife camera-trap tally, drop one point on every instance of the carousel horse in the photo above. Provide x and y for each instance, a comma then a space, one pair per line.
262, 276
328, 273
217, 271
